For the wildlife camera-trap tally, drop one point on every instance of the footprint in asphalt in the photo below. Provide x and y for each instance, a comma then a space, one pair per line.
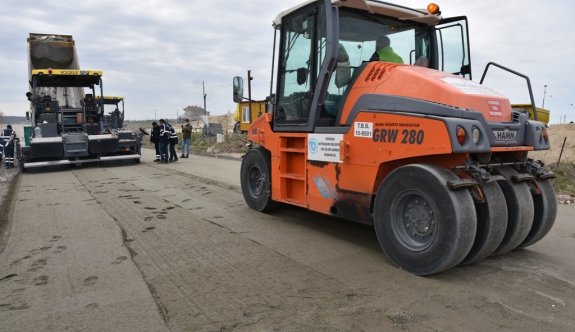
148, 218
137, 202
90, 281
186, 200
160, 216
18, 306
8, 277
92, 306
18, 290
170, 208
39, 262
41, 280
60, 249
55, 238
16, 262
149, 229
150, 208
45, 248
119, 260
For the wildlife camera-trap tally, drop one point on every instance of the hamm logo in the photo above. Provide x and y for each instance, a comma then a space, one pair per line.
505, 135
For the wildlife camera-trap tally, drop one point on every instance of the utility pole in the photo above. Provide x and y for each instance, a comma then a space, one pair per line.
207, 131
544, 93
205, 95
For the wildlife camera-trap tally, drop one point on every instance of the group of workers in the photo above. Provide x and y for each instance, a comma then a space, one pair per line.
165, 138
7, 146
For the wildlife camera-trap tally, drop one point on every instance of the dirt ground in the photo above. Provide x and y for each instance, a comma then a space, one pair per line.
558, 134
174, 247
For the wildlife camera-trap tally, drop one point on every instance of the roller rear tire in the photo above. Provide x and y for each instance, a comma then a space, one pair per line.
423, 226
519, 209
545, 205
491, 223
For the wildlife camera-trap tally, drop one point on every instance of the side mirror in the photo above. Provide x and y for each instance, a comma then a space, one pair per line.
238, 89
301, 76
28, 95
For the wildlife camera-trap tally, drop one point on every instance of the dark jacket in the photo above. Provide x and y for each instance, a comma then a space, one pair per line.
7, 136
155, 137
173, 136
166, 132
187, 131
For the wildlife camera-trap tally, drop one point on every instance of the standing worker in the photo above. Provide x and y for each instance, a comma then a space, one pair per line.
164, 140
173, 142
186, 139
155, 138
7, 137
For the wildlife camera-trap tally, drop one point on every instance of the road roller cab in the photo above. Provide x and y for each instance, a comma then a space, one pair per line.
375, 118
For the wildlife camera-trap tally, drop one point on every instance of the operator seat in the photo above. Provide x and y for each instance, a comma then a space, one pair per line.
89, 102
343, 68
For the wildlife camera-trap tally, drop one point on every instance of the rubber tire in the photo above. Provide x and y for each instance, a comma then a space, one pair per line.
491, 223
520, 210
456, 219
545, 205
257, 160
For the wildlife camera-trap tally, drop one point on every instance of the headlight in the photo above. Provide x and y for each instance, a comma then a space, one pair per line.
476, 134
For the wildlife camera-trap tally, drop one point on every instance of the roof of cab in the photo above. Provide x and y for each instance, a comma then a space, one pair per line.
374, 7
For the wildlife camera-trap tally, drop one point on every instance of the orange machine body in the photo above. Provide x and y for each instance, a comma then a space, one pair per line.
430, 85
339, 174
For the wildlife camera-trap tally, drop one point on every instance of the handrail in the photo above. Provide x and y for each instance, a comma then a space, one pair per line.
518, 74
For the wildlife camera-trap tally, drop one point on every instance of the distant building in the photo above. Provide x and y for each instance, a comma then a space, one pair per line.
194, 112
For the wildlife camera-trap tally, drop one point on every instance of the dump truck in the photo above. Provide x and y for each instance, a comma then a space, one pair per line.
68, 121
436, 162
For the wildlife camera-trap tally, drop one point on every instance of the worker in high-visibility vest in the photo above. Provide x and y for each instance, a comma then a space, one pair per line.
384, 52
7, 137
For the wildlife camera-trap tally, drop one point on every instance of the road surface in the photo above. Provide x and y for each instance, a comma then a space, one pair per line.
154, 247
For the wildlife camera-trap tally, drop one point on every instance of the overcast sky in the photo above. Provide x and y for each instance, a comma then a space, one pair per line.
157, 53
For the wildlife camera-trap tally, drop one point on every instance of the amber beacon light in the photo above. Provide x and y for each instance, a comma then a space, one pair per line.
433, 8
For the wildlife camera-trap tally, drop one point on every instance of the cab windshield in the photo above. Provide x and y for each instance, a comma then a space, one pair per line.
360, 40
359, 32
